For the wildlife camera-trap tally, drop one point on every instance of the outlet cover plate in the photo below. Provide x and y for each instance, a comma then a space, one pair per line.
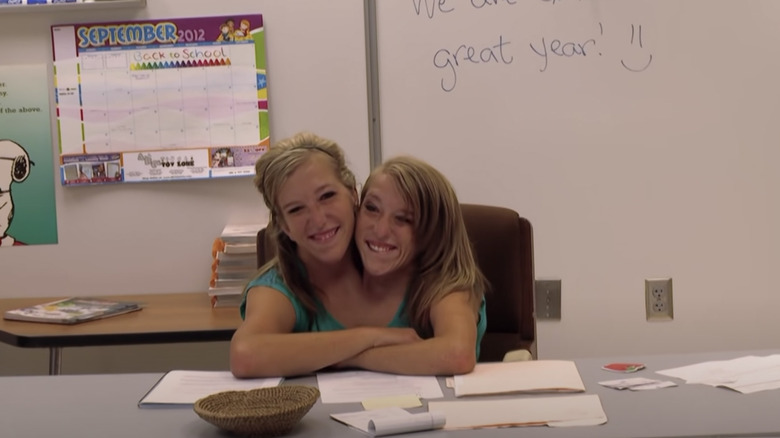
548, 299
659, 305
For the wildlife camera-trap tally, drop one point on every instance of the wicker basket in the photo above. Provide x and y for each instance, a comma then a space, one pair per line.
263, 412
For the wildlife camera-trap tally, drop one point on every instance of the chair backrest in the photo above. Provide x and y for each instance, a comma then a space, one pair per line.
503, 244
266, 249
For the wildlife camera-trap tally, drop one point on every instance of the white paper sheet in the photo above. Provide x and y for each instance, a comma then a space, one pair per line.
391, 421
356, 386
400, 401
747, 374
180, 387
637, 384
562, 411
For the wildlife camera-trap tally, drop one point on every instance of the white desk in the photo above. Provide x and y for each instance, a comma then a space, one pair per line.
105, 406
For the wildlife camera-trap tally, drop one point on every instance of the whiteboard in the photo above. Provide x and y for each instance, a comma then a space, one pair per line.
156, 237
640, 137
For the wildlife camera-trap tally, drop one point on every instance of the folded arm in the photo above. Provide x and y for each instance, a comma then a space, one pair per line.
264, 344
452, 349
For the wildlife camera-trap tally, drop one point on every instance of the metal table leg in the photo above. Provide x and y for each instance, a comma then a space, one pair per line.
55, 360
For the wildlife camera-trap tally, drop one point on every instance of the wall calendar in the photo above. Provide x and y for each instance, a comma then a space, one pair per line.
157, 100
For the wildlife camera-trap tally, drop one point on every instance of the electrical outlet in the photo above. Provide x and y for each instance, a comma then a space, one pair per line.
658, 299
548, 299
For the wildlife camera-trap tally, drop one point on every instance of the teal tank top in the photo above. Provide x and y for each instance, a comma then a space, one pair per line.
323, 321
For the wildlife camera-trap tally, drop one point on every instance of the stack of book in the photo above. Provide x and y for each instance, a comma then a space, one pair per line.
234, 263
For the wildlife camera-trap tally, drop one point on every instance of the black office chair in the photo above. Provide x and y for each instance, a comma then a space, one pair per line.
503, 243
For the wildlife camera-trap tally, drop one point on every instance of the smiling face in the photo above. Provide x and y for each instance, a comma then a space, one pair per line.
385, 229
317, 211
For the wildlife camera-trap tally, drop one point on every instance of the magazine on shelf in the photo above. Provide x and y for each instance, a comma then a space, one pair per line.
233, 273
240, 248
222, 258
230, 296
241, 233
217, 283
226, 300
227, 290
72, 310
232, 248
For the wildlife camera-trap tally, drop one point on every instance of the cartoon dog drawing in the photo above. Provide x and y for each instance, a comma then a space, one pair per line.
14, 168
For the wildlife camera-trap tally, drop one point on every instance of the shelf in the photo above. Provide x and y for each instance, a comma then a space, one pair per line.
81, 5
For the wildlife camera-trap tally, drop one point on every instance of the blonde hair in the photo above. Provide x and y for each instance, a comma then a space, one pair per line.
272, 170
445, 261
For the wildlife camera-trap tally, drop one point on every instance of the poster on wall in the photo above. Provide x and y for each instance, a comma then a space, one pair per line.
27, 206
162, 99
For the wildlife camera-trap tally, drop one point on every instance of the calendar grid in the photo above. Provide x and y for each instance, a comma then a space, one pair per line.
160, 100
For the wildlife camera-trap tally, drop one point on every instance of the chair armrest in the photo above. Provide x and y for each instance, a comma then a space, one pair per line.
517, 356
